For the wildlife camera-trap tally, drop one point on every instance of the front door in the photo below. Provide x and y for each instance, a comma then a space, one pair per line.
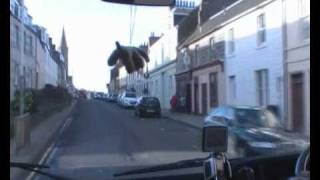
204, 98
213, 89
196, 107
188, 98
297, 106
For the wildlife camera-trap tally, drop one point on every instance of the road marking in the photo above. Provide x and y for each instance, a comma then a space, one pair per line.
50, 150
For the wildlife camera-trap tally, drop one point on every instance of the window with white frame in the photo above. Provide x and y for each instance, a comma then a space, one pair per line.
17, 37
211, 48
17, 74
231, 45
196, 54
304, 6
262, 87
261, 29
25, 44
16, 10
232, 88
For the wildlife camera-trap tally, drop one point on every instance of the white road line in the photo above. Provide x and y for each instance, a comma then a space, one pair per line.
50, 150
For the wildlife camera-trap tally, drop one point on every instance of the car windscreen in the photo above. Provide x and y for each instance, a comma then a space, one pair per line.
131, 95
150, 101
255, 117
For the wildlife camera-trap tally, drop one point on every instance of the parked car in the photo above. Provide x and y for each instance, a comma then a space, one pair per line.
113, 97
148, 106
119, 97
255, 131
128, 99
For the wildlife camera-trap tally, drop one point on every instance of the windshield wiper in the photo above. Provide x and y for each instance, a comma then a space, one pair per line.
32, 167
176, 165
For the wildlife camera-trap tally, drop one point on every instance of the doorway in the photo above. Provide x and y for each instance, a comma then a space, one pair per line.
196, 107
297, 105
204, 98
188, 98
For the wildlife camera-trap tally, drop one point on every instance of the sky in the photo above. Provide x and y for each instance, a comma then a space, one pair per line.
92, 27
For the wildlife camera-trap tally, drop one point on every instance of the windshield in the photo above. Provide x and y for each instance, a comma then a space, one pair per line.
242, 63
129, 95
252, 117
150, 101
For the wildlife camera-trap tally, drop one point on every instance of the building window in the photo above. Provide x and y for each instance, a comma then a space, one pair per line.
196, 54
211, 48
305, 19
232, 88
231, 45
30, 45
16, 39
213, 78
262, 87
25, 42
17, 74
170, 83
261, 29
16, 10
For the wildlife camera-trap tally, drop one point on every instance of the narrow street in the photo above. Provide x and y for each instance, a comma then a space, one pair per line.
104, 138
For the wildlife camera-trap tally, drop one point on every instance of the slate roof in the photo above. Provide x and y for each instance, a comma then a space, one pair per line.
215, 23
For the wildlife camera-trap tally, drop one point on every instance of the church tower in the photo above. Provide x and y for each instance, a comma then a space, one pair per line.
64, 51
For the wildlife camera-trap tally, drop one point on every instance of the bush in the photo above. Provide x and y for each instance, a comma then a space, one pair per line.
28, 99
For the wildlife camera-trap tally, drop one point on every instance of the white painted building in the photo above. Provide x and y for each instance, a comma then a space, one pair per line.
163, 54
254, 57
162, 67
48, 68
23, 64
297, 58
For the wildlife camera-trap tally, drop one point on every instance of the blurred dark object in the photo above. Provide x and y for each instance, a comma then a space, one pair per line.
132, 58
274, 109
170, 3
174, 102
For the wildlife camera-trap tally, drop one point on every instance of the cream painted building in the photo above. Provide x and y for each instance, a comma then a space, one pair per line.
23, 61
297, 63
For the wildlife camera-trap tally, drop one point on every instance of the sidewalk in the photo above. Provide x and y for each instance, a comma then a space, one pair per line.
41, 138
195, 121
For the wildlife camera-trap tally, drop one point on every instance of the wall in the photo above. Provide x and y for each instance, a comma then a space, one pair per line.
20, 59
248, 57
203, 76
298, 55
161, 86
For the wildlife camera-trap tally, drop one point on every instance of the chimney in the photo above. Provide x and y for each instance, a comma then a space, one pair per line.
50, 41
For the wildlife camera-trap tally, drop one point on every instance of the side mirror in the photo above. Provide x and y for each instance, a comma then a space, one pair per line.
215, 139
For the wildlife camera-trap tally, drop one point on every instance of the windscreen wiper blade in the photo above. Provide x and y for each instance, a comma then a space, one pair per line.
176, 165
32, 167
27, 165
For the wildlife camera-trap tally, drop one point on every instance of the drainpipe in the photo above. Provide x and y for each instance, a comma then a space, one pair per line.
285, 67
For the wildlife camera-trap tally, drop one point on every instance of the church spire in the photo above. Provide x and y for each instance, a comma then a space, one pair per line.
63, 40
64, 50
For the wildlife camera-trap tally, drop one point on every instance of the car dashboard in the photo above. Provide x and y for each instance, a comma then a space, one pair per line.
279, 167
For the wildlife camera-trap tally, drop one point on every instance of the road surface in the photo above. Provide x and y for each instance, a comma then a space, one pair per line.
104, 138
